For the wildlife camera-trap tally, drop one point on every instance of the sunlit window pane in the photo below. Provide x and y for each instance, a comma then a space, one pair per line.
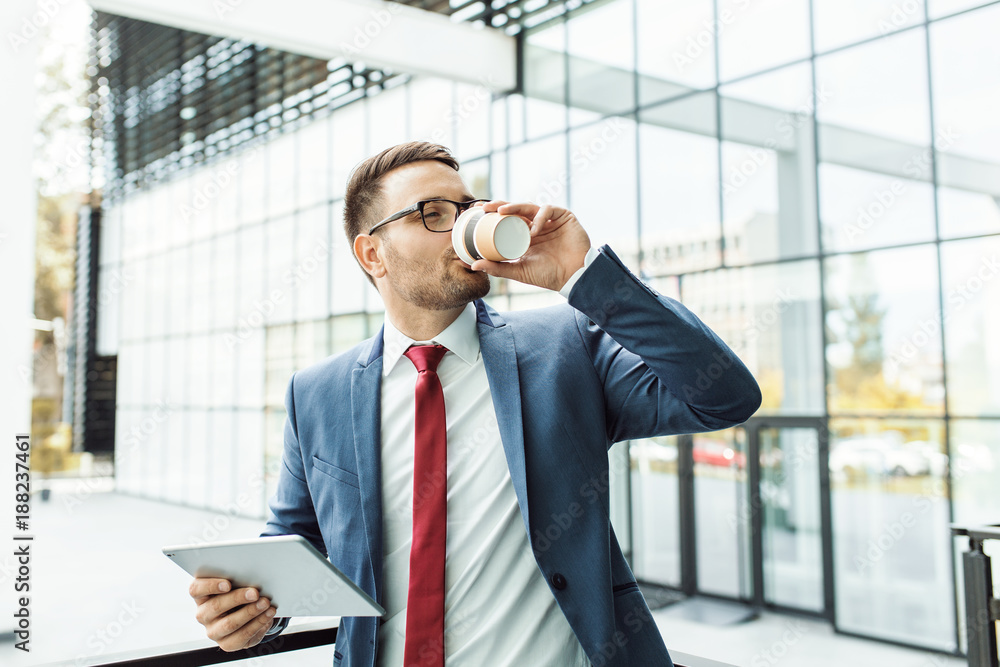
754, 36
965, 65
971, 284
676, 48
655, 519
679, 186
883, 349
840, 22
770, 316
890, 502
878, 90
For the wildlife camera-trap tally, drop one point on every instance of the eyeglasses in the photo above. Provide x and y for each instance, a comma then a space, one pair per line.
438, 215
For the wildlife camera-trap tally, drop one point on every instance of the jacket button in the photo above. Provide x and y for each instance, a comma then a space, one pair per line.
558, 581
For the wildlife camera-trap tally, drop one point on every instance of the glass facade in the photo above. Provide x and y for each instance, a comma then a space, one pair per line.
818, 180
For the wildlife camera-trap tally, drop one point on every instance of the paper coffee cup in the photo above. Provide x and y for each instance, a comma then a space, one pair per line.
481, 235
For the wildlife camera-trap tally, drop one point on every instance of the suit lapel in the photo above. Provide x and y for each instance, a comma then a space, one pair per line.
366, 394
496, 344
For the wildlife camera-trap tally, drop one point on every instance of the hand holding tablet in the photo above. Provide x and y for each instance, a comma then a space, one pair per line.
239, 586
233, 619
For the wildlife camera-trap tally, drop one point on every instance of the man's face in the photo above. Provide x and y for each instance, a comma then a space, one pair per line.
421, 266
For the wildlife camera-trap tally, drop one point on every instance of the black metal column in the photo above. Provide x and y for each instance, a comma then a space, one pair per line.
980, 622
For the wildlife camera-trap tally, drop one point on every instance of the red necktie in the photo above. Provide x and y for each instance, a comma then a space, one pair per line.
424, 644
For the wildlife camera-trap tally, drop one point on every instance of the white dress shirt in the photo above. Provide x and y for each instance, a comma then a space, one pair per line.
499, 610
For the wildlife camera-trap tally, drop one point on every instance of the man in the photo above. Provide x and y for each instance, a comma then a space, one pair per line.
528, 570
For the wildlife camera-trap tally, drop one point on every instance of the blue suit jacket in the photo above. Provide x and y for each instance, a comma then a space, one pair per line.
619, 362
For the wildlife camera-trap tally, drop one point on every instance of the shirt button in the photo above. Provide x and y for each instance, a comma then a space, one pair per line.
558, 581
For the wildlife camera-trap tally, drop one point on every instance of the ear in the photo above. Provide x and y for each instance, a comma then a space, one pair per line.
367, 250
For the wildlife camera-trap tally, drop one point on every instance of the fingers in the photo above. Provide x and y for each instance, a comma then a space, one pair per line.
236, 630
491, 206
233, 619
212, 607
498, 269
204, 586
542, 216
244, 627
526, 210
259, 635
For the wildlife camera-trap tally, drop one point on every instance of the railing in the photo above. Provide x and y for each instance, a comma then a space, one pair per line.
310, 635
982, 610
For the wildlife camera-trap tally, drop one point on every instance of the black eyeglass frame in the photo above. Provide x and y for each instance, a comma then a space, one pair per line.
461, 206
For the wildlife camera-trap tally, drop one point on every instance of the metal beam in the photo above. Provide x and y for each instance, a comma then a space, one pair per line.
386, 35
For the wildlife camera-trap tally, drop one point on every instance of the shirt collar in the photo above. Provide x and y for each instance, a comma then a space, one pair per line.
461, 337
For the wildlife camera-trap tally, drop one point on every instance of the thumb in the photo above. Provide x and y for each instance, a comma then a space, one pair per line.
498, 269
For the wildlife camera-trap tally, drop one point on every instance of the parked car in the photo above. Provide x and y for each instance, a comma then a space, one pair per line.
857, 457
717, 453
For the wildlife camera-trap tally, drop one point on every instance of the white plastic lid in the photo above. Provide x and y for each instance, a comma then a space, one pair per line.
512, 237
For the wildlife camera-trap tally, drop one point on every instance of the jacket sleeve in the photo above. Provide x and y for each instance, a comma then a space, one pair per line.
663, 370
291, 509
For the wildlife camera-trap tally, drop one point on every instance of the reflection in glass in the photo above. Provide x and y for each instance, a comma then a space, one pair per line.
223, 279
315, 175
542, 110
603, 185
679, 186
251, 275
722, 513
884, 333
878, 89
349, 129
280, 363
768, 166
249, 463
431, 110
222, 376
196, 461
840, 22
274, 438
938, 8
348, 289
601, 46
312, 342
307, 281
472, 121
173, 472
971, 285
276, 303
965, 60
281, 175
890, 530
348, 331
790, 520
656, 544
862, 209
200, 277
383, 111
538, 172
221, 454
676, 48
754, 36
770, 316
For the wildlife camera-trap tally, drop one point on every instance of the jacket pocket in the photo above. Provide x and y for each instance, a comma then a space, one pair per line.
336, 472
623, 589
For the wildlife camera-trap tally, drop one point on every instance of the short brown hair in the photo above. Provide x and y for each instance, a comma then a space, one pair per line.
363, 200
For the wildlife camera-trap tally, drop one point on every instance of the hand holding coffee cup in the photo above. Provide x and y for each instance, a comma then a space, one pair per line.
557, 246
481, 235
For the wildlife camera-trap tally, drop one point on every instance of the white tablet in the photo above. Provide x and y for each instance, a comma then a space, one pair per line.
286, 569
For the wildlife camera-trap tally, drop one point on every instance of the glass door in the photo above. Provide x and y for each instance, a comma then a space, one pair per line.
789, 515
